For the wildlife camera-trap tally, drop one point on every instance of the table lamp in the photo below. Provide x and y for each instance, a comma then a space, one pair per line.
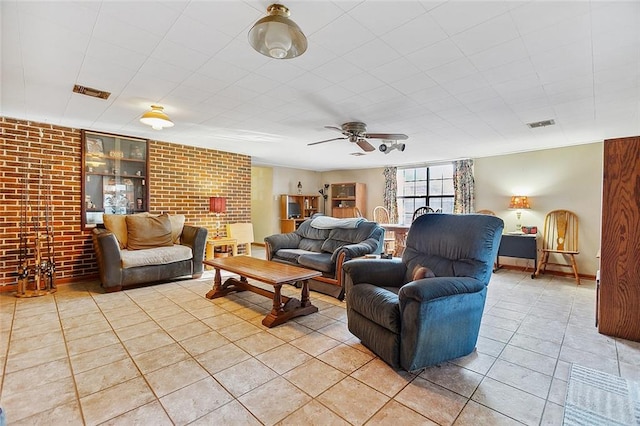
217, 205
519, 203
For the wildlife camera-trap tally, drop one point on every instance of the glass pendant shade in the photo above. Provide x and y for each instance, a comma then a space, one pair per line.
156, 118
277, 36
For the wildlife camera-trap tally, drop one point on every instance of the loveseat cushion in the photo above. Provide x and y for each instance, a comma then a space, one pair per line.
377, 304
290, 255
117, 224
311, 245
177, 224
319, 261
339, 237
155, 256
305, 230
148, 232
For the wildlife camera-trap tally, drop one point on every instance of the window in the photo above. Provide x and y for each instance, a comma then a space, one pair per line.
424, 186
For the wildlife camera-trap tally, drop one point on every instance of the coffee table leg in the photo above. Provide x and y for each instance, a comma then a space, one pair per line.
304, 297
277, 300
217, 285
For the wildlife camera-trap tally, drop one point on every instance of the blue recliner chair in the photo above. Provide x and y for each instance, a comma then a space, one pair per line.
413, 322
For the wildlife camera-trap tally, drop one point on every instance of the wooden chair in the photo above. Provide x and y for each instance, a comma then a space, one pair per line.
381, 215
357, 212
489, 212
560, 236
243, 233
420, 211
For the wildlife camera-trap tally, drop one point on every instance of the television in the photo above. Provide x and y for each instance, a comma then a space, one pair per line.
294, 211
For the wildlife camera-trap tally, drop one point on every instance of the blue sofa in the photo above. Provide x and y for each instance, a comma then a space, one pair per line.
413, 322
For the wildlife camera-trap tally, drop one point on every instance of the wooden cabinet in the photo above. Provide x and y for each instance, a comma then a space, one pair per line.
114, 176
348, 200
619, 286
295, 209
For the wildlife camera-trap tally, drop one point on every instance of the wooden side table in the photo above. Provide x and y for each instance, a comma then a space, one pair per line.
212, 243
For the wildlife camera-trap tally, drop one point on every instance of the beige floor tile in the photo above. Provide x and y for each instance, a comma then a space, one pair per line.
495, 333
195, 400
163, 310
345, 358
475, 414
315, 343
148, 414
315, 321
207, 311
313, 414
98, 357
245, 376
274, 400
115, 401
172, 321
175, 376
92, 318
238, 331
160, 357
253, 311
509, 401
138, 330
338, 313
232, 413
337, 331
221, 358
553, 415
453, 377
66, 414
218, 322
148, 342
259, 343
432, 401
353, 400
205, 342
475, 361
186, 331
23, 380
588, 359
489, 346
37, 399
283, 358
396, 413
529, 359
289, 331
90, 343
38, 341
521, 378
558, 391
382, 377
105, 376
138, 316
314, 376
30, 359
534, 344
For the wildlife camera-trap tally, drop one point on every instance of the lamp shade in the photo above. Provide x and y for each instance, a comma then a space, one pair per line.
156, 118
217, 205
519, 202
276, 35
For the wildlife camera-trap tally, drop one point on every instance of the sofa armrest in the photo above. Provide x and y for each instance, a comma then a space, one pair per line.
195, 237
107, 250
379, 272
428, 289
281, 241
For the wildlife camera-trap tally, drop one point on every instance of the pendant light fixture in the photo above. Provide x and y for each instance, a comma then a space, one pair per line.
276, 35
156, 118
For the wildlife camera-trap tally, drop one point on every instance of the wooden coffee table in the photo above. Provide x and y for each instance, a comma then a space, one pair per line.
274, 273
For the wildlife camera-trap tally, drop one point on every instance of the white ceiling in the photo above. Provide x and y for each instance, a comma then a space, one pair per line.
461, 79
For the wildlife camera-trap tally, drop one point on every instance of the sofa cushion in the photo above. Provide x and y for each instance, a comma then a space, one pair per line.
378, 304
155, 256
305, 230
291, 255
339, 237
117, 224
319, 261
148, 232
311, 245
177, 223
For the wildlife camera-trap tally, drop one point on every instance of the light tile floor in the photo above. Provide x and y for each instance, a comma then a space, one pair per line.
165, 354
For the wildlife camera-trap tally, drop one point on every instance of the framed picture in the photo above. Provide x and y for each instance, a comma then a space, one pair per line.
94, 146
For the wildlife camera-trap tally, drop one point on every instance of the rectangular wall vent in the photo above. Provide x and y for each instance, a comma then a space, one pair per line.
543, 123
89, 91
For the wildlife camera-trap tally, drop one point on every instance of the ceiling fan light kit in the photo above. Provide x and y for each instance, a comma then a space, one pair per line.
277, 36
388, 148
156, 118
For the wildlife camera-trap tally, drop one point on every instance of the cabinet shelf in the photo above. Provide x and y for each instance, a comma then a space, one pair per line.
295, 209
348, 199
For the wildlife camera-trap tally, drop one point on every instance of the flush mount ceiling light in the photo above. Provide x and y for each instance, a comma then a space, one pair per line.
156, 118
276, 35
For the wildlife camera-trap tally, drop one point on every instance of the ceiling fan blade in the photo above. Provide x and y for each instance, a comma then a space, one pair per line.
328, 140
388, 136
366, 146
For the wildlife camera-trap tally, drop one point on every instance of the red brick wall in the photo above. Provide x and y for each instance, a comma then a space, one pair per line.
182, 178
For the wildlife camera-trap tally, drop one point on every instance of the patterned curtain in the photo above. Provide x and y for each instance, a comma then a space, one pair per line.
389, 199
464, 187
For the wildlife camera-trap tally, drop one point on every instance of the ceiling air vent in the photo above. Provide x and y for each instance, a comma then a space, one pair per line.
543, 123
89, 91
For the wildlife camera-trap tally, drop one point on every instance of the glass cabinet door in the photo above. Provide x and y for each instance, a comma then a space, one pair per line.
114, 170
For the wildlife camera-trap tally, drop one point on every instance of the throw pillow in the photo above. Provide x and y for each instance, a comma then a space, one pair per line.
177, 223
116, 223
420, 272
148, 232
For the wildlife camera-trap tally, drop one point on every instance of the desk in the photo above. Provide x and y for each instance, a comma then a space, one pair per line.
400, 232
519, 245
212, 243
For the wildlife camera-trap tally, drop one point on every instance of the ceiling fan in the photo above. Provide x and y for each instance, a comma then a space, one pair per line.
356, 132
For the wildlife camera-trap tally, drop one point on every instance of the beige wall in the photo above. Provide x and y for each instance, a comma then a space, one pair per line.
559, 178
563, 178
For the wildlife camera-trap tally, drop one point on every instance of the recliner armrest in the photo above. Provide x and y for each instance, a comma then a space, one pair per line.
352, 251
379, 272
428, 289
